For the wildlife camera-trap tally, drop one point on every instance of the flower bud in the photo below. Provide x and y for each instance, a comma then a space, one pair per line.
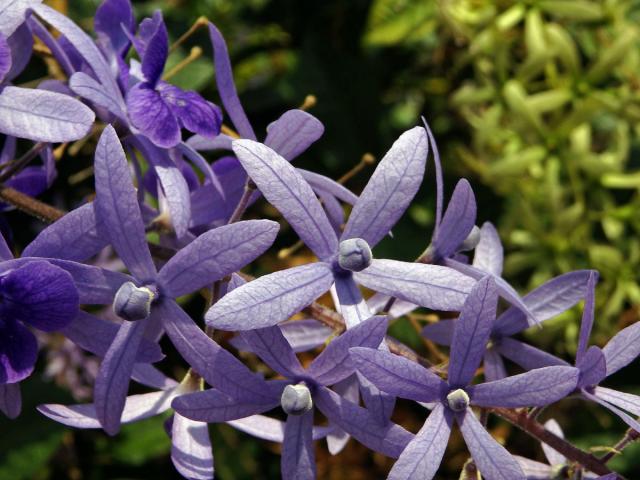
458, 400
133, 303
471, 241
296, 399
354, 254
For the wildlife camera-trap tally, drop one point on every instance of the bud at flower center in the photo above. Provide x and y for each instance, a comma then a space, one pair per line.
458, 400
296, 399
133, 303
354, 254
471, 241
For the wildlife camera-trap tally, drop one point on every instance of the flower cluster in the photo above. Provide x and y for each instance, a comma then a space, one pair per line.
196, 207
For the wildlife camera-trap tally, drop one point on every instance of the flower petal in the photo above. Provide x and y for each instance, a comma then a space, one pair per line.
111, 17
274, 350
193, 112
525, 355
554, 457
421, 459
587, 316
472, 331
440, 332
494, 368
298, 456
191, 448
214, 254
352, 306
156, 49
18, 352
626, 401
286, 190
431, 286
535, 388
152, 116
293, 133
592, 366
117, 206
459, 218
489, 254
39, 294
390, 189
397, 375
43, 116
623, 348
493, 461
214, 406
271, 298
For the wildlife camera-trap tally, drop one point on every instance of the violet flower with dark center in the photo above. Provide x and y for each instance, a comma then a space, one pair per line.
545, 302
302, 390
453, 398
159, 109
208, 258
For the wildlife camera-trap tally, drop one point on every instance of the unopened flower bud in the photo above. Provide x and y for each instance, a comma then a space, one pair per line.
354, 254
458, 400
471, 241
296, 399
133, 303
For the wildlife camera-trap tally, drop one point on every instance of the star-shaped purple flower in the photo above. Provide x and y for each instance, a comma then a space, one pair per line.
454, 397
159, 109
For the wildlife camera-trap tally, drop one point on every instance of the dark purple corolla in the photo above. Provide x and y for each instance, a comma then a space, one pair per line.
301, 390
159, 109
454, 397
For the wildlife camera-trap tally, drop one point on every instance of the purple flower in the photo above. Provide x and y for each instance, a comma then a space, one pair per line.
159, 109
301, 390
453, 398
146, 296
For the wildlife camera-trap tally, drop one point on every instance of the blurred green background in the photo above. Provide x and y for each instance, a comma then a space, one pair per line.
536, 102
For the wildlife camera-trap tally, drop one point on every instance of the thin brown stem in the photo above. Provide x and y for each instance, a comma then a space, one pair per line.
629, 437
30, 205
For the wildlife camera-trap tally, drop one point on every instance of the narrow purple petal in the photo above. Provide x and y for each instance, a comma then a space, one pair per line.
626, 401
21, 45
298, 456
217, 366
260, 426
592, 366
439, 181
348, 389
215, 254
587, 316
352, 306
117, 206
286, 190
397, 375
89, 89
534, 470
378, 402
191, 449
535, 388
39, 294
623, 348
494, 368
43, 116
489, 254
137, 407
302, 335
77, 236
18, 352
390, 189
378, 302
152, 116
85, 47
226, 85
321, 183
421, 459
334, 363
5, 57
493, 461
270, 299
472, 331
213, 406
552, 455
440, 332
193, 112
431, 286
459, 218
293, 133
112, 16
545, 302
12, 14
633, 423
112, 382
525, 355
156, 50
271, 346
332, 208
96, 335
10, 399
150, 376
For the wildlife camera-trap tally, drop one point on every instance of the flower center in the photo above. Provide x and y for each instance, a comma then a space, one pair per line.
296, 399
132, 302
354, 254
458, 400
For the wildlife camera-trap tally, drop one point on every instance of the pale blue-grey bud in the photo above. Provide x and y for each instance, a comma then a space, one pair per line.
458, 400
354, 254
471, 241
133, 303
296, 399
